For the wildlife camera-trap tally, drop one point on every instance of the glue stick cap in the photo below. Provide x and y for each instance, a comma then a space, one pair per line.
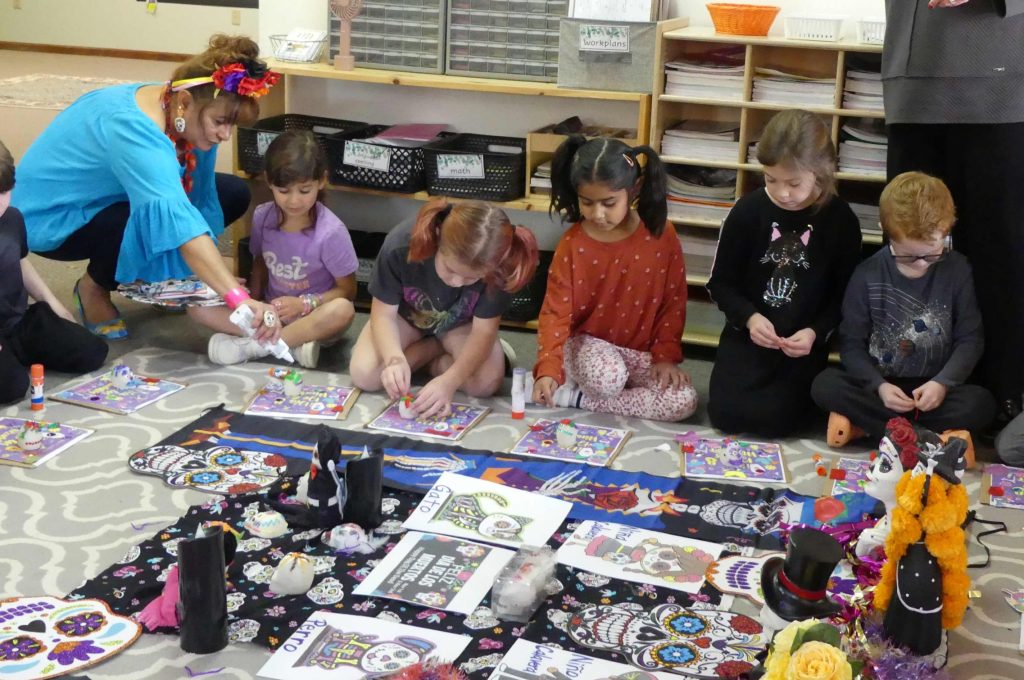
36, 371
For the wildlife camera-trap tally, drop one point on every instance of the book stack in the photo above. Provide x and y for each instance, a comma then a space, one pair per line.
698, 193
540, 182
863, 147
718, 75
868, 216
780, 87
707, 140
699, 247
863, 90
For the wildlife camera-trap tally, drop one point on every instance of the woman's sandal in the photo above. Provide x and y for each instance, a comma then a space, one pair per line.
114, 329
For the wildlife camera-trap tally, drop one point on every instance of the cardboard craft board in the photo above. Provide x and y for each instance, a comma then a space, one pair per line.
594, 445
476, 509
56, 438
435, 571
856, 470
45, 637
1009, 481
639, 555
527, 660
99, 393
731, 459
452, 427
347, 647
323, 402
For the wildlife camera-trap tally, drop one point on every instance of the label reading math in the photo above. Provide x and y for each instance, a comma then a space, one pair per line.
460, 166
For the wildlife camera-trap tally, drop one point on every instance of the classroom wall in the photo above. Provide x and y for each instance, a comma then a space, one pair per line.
121, 24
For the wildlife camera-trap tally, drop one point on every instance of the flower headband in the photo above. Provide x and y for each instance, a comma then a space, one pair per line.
250, 78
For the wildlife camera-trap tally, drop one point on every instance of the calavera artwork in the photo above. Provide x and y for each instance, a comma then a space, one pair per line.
44, 637
788, 252
219, 469
335, 648
703, 643
467, 511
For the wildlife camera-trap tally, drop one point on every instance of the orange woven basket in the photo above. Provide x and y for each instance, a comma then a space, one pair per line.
738, 19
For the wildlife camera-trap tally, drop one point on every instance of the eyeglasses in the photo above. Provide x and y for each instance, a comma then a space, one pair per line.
911, 259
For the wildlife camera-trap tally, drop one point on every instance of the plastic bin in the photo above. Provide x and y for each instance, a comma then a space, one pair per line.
468, 166
404, 172
253, 141
814, 27
871, 30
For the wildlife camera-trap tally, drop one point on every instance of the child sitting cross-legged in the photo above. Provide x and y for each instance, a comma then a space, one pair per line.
911, 331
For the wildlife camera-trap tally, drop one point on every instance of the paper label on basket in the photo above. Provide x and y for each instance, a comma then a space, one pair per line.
460, 166
602, 38
263, 140
368, 156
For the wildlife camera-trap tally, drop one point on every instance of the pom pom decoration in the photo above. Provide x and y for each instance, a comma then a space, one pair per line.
429, 670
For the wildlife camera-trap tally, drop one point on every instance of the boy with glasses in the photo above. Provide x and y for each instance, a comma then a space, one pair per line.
911, 332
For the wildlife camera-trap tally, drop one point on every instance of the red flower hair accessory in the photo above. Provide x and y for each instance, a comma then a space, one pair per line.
248, 79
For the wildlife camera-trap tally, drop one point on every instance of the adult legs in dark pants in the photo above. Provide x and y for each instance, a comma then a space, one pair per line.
984, 169
761, 391
99, 242
42, 337
966, 407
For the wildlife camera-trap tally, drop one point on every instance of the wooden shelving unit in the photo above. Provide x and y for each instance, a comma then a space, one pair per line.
810, 58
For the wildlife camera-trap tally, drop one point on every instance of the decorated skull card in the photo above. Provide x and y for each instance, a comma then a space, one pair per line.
477, 509
341, 646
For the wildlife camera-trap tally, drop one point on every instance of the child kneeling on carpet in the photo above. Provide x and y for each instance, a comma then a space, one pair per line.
911, 330
612, 321
303, 260
439, 289
43, 332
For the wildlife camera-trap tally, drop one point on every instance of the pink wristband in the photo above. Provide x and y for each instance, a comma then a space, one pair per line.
235, 297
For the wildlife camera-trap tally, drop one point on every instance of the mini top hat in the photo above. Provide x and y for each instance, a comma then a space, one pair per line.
794, 586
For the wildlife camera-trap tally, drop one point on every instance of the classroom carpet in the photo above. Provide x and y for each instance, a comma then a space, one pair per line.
71, 518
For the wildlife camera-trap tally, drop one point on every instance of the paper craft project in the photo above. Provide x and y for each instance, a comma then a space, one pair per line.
346, 647
220, 469
706, 643
593, 445
44, 637
477, 509
739, 575
1015, 598
632, 554
727, 458
450, 428
323, 402
102, 393
436, 571
30, 443
172, 293
1002, 486
851, 480
527, 660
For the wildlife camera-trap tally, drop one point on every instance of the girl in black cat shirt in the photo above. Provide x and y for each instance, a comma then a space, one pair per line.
785, 255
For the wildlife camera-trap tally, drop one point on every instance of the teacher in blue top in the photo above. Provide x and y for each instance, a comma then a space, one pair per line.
124, 178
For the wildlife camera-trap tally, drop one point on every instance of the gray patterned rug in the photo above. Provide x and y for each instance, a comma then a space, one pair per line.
70, 518
48, 90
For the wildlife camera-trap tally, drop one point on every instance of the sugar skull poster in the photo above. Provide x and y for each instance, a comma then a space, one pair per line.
340, 646
437, 572
638, 555
218, 469
477, 509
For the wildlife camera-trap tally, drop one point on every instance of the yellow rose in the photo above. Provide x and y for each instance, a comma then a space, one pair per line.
818, 661
777, 664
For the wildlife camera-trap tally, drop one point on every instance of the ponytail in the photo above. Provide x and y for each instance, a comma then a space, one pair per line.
564, 199
426, 233
519, 264
480, 236
652, 203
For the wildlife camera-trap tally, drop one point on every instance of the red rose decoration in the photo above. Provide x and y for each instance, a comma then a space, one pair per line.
622, 499
828, 508
276, 460
746, 625
733, 669
903, 436
243, 488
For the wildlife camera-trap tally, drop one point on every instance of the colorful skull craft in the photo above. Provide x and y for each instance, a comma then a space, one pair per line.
671, 637
220, 469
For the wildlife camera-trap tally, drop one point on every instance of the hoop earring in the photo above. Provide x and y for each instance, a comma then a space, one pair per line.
179, 125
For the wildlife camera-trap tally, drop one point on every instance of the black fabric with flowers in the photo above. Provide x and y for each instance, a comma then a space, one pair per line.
256, 616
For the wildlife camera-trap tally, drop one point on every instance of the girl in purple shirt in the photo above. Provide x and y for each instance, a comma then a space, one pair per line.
303, 260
